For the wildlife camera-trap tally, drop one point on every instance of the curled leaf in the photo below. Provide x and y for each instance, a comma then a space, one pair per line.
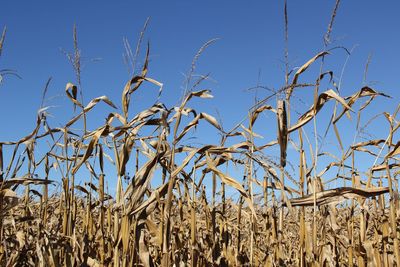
337, 195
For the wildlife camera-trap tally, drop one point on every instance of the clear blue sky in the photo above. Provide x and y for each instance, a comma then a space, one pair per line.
250, 50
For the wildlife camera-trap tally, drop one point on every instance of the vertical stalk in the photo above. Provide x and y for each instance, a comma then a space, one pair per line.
239, 237
225, 233
392, 203
302, 210
193, 236
213, 219
46, 191
351, 219
250, 188
101, 218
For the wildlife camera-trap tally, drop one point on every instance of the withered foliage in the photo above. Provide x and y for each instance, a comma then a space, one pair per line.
164, 214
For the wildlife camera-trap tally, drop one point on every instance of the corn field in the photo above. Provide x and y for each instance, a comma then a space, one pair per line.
135, 192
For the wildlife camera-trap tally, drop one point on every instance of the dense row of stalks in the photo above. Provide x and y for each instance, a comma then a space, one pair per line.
168, 213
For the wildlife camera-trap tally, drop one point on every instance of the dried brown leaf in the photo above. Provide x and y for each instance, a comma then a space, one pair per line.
338, 195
